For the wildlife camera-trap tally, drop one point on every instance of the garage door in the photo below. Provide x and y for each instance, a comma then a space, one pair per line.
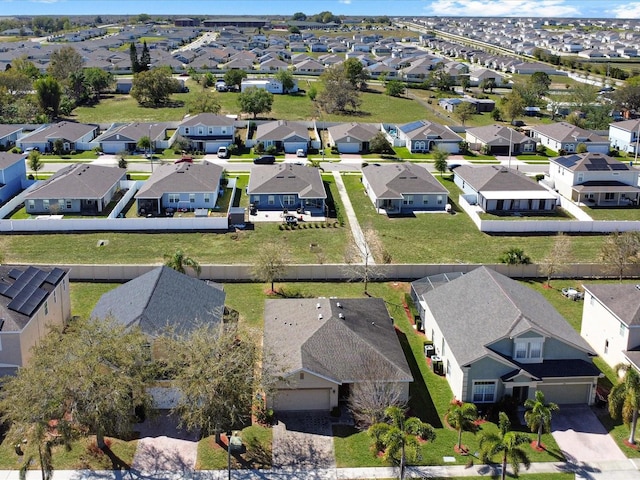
303, 399
349, 147
566, 393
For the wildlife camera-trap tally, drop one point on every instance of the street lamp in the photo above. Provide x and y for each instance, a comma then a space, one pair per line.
150, 149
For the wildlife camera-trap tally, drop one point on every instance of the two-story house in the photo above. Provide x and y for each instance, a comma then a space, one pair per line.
567, 137
594, 179
207, 132
625, 135
494, 336
13, 172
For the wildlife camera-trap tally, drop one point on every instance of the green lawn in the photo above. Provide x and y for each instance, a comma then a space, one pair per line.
558, 214
257, 441
443, 238
612, 213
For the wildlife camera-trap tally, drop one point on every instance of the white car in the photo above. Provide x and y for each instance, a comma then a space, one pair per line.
301, 153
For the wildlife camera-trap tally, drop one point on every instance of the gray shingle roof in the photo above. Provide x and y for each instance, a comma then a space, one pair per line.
496, 178
8, 159
79, 181
423, 129
282, 130
591, 162
362, 132
181, 178
566, 132
334, 347
70, 131
484, 306
207, 119
163, 299
497, 135
393, 180
623, 299
286, 178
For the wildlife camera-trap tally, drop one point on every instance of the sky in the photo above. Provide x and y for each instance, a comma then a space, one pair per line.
472, 8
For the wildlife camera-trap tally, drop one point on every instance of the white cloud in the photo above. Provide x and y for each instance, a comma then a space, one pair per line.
502, 8
346, 2
630, 10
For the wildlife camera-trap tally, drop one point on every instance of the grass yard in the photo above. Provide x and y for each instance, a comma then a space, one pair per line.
558, 214
442, 238
256, 439
84, 296
613, 213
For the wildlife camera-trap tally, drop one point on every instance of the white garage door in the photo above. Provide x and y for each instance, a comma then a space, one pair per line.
303, 399
566, 393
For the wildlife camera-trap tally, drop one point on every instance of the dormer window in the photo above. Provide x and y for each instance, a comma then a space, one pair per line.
528, 350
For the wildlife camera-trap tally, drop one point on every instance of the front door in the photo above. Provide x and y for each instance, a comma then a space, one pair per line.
520, 394
343, 392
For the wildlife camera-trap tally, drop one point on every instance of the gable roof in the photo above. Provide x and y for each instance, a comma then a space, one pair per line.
282, 130
8, 159
132, 132
493, 307
334, 347
622, 299
181, 177
565, 132
286, 178
591, 162
496, 178
394, 180
425, 130
362, 132
498, 135
78, 181
70, 131
626, 125
163, 299
208, 119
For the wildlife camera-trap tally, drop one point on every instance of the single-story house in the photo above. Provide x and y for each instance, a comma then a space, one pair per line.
271, 85
74, 136
32, 299
80, 188
325, 346
498, 188
423, 136
125, 137
499, 140
9, 134
287, 186
403, 188
611, 321
285, 135
13, 173
594, 179
495, 336
180, 186
208, 132
352, 137
567, 137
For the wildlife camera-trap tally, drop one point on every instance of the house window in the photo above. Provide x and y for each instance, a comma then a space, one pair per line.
68, 204
448, 368
484, 391
210, 130
255, 201
588, 196
408, 200
289, 200
529, 350
207, 197
623, 329
301, 375
442, 349
609, 196
31, 204
439, 200
580, 177
223, 130
174, 197
192, 198
46, 308
425, 201
55, 300
271, 200
45, 204
200, 131
606, 346
61, 204
186, 130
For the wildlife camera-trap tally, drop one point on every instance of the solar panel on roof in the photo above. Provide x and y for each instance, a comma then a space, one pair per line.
3, 288
15, 273
32, 304
54, 276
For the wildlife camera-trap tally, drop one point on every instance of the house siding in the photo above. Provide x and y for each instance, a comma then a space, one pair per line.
624, 140
185, 198
12, 178
485, 369
262, 203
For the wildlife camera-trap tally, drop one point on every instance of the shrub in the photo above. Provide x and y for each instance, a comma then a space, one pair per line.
272, 150
515, 256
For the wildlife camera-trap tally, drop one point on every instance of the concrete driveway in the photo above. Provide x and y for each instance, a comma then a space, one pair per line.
303, 440
582, 438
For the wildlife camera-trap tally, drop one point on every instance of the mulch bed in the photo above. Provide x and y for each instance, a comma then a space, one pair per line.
538, 448
463, 450
634, 446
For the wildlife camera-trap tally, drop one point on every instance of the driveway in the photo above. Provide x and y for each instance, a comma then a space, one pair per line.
303, 440
581, 436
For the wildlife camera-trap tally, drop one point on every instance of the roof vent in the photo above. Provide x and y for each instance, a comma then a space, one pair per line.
341, 315
338, 304
318, 305
320, 316
638, 286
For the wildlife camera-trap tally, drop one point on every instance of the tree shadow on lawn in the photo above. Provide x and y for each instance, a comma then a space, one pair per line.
420, 403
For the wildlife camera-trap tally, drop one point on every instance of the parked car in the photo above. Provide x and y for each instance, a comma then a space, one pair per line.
301, 153
265, 160
223, 152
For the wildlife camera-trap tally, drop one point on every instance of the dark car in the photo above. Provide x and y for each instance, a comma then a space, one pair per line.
265, 160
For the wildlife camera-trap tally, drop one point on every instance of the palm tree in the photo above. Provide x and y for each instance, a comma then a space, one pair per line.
461, 417
538, 415
507, 444
624, 398
178, 261
398, 437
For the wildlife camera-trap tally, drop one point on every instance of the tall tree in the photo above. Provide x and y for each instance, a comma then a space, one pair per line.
624, 398
380, 144
145, 58
234, 77
461, 417
440, 156
356, 73
133, 55
205, 102
507, 444
178, 261
65, 62
398, 438
620, 250
339, 95
98, 80
285, 77
360, 257
464, 111
255, 100
513, 105
49, 95
271, 264
538, 415
557, 258
154, 87
394, 88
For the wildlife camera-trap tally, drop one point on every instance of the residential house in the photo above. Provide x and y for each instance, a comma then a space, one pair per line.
287, 187
499, 140
74, 136
32, 299
180, 186
424, 136
477, 76
496, 188
9, 134
326, 346
495, 336
594, 179
567, 137
624, 136
271, 85
125, 137
163, 302
403, 188
13, 172
352, 137
611, 321
284, 135
81, 188
208, 132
